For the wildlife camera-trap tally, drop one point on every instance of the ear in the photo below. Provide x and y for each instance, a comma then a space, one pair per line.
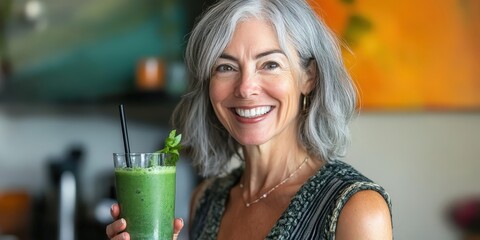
310, 77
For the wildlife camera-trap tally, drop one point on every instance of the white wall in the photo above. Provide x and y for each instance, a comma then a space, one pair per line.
424, 160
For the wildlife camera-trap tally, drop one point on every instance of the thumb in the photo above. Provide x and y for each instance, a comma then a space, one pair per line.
177, 226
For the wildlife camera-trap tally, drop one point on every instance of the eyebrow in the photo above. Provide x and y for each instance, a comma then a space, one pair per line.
260, 55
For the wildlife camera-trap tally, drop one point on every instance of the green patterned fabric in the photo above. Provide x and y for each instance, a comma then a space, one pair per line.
312, 214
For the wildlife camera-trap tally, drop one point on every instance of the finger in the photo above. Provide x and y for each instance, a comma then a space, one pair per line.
122, 236
116, 227
177, 226
115, 211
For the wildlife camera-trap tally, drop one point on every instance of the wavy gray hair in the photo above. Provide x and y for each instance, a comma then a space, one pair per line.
323, 129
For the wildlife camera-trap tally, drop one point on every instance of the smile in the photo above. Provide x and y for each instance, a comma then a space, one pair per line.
253, 112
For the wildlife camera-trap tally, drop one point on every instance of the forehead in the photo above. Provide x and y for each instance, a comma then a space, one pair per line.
253, 33
256, 34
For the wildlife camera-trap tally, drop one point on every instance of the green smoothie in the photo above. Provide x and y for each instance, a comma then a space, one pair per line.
147, 201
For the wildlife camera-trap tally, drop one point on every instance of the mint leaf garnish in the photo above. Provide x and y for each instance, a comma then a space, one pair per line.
172, 147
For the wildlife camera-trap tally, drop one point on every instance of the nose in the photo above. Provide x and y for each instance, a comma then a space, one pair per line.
247, 85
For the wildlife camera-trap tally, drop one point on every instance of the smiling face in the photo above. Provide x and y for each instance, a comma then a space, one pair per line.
255, 89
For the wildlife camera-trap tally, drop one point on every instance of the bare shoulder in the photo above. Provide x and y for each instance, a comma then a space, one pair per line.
365, 216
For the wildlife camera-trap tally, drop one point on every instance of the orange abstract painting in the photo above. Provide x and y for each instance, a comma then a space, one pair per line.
420, 55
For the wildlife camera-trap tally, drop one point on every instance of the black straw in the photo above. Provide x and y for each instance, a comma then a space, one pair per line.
126, 143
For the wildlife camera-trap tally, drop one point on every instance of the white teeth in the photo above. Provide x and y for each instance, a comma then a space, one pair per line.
252, 112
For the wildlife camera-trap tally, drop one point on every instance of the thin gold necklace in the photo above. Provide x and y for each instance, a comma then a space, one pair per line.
265, 195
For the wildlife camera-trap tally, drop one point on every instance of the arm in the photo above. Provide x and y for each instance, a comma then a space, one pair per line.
365, 216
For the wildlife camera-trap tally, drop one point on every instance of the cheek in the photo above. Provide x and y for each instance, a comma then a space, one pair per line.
284, 88
218, 92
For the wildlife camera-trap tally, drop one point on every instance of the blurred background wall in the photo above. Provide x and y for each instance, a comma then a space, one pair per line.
66, 66
426, 161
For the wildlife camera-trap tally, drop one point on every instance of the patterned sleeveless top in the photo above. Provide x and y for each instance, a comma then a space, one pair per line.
312, 213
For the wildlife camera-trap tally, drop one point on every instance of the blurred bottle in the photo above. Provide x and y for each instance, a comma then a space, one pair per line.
150, 74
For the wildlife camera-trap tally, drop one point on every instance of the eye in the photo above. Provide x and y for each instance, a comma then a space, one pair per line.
270, 65
224, 68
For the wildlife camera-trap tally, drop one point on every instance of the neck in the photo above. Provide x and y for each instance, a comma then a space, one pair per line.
265, 194
266, 167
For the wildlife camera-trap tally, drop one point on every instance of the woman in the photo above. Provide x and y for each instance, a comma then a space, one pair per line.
270, 88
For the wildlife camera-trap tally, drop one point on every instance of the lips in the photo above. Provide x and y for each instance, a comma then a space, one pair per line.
253, 112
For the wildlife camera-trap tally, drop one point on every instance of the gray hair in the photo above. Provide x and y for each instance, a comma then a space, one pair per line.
323, 128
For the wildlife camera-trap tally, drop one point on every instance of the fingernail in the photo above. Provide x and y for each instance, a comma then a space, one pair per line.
181, 219
123, 221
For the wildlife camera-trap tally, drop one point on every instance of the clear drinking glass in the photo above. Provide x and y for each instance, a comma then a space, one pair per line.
145, 186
